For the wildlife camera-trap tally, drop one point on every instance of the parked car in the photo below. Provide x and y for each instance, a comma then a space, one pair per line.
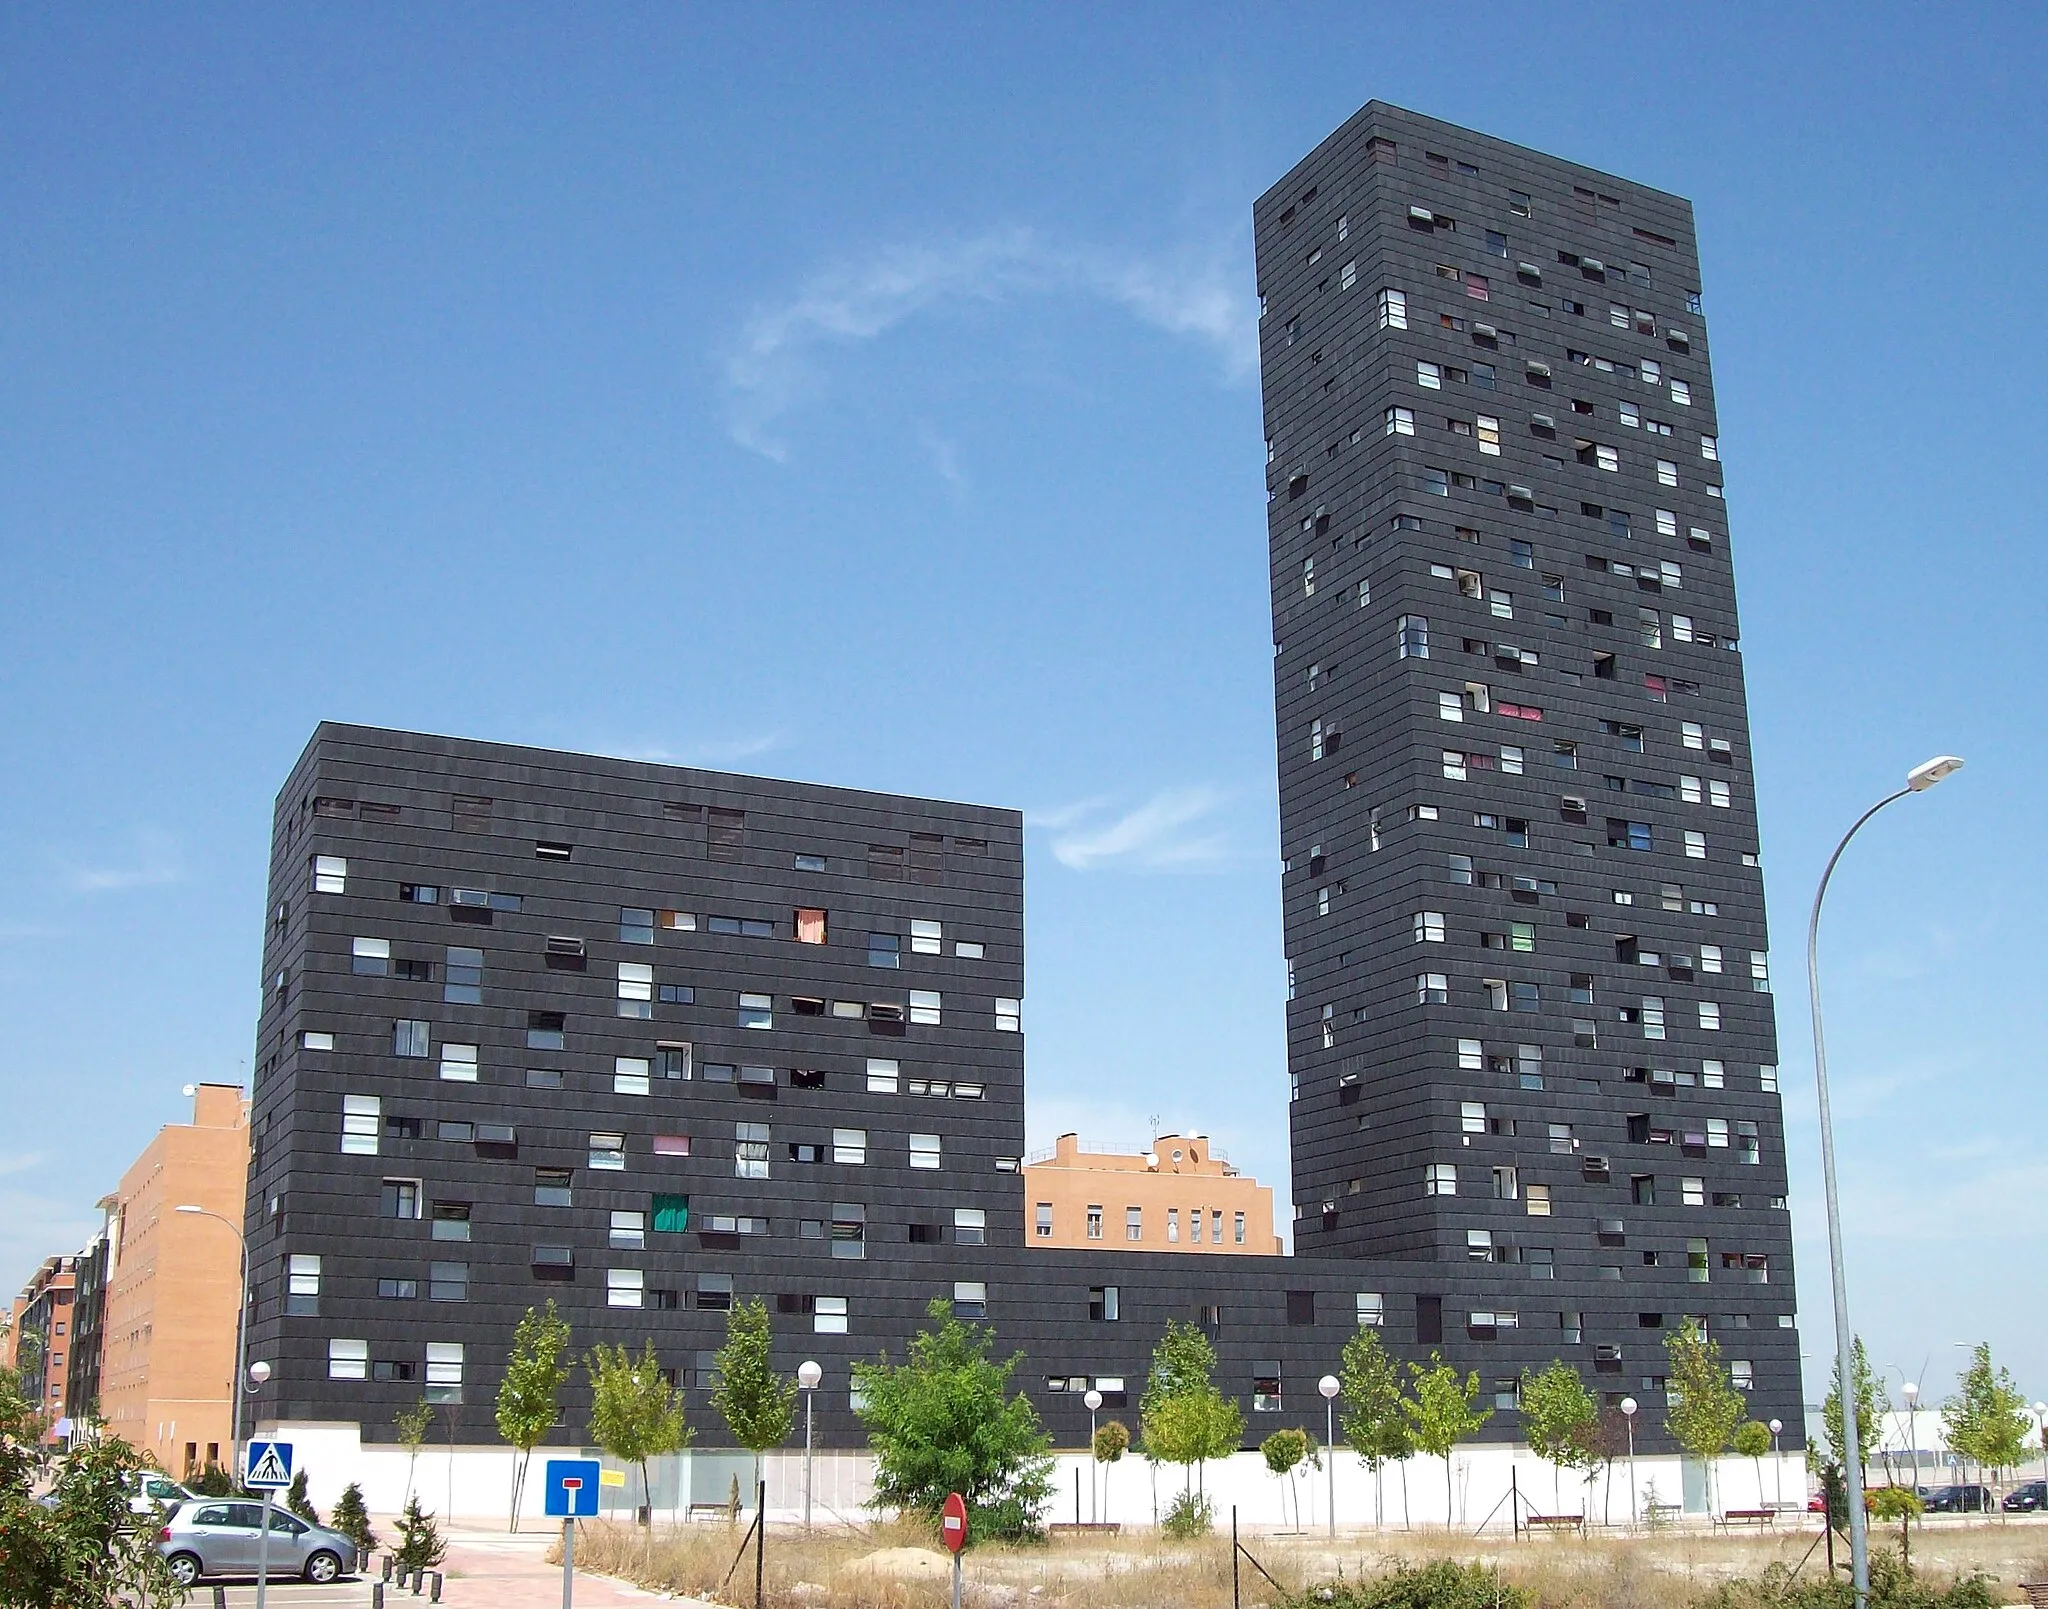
147, 1488
2027, 1498
215, 1538
1969, 1499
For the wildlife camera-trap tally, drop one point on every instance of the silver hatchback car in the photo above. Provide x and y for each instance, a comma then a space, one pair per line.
219, 1537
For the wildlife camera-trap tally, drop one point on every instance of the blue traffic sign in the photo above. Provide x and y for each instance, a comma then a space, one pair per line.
572, 1488
269, 1466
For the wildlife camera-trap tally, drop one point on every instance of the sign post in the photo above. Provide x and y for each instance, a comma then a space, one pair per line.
269, 1471
571, 1493
953, 1528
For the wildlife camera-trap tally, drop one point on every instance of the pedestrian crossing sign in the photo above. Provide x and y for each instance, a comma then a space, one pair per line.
269, 1465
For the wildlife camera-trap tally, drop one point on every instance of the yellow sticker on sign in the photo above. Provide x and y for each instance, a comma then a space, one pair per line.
611, 1477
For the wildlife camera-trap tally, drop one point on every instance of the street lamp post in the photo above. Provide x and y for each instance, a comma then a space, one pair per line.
1094, 1402
1628, 1414
2041, 1426
808, 1374
241, 1334
1918, 780
1911, 1392
1329, 1386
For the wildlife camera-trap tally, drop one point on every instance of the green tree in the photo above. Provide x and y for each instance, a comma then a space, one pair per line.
635, 1414
80, 1547
1112, 1441
351, 1517
412, 1426
757, 1404
1182, 1418
1702, 1405
1559, 1416
1903, 1504
1870, 1409
1442, 1412
1372, 1418
1752, 1440
1284, 1451
419, 1540
297, 1500
527, 1397
1986, 1419
944, 1421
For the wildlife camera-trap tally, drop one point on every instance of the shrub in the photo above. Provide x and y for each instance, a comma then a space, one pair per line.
1441, 1585
352, 1517
1893, 1585
213, 1481
419, 1541
298, 1502
1190, 1515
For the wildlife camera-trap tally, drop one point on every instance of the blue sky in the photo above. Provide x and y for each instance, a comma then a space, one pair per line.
869, 395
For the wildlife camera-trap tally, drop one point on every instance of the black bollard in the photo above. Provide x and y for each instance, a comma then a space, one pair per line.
387, 1567
435, 1593
220, 1596
376, 1595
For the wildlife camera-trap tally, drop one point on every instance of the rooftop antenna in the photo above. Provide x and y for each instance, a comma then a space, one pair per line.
1154, 1121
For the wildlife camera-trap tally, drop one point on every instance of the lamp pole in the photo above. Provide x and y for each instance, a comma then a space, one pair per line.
1911, 1392
1777, 1469
1094, 1401
1329, 1386
1918, 780
241, 1333
808, 1374
1628, 1414
2041, 1425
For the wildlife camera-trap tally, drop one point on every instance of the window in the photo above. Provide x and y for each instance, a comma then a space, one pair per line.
829, 1316
1537, 1198
924, 1151
1042, 1220
1429, 927
757, 1011
1266, 1387
1432, 989
348, 1360
451, 1220
1009, 1015
1399, 422
1440, 1179
608, 1152
1393, 310
330, 876
447, 1282
750, 1151
361, 1123
410, 1038
1429, 376
970, 1226
1696, 845
625, 1287
849, 1147
1710, 1015
1102, 1304
400, 1198
926, 1007
302, 1286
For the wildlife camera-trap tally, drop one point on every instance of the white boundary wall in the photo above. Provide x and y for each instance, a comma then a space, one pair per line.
470, 1483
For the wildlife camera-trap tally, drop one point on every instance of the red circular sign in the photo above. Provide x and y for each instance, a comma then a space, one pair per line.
953, 1522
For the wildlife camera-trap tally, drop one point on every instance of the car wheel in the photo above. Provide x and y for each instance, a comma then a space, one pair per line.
322, 1568
184, 1568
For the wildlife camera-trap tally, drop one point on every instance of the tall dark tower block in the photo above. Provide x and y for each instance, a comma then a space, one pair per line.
1530, 1030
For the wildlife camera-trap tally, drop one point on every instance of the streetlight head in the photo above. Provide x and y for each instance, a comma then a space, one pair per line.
259, 1372
188, 1208
1628, 1406
1925, 775
1094, 1400
1329, 1386
1777, 1425
1910, 1392
808, 1375
2041, 1407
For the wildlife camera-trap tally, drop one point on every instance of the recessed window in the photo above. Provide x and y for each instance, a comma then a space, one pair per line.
361, 1124
924, 1151
330, 874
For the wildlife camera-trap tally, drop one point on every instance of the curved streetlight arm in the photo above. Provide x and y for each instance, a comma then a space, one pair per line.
1852, 1447
241, 1334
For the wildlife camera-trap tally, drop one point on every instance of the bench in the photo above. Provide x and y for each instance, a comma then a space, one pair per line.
1554, 1522
1086, 1528
2037, 1593
1746, 1516
710, 1511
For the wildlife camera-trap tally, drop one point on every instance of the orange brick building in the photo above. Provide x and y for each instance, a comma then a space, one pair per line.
174, 1286
1177, 1196
39, 1339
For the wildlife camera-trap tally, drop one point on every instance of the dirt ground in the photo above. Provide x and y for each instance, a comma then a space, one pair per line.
900, 1567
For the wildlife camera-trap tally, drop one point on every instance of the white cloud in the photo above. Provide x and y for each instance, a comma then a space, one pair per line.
155, 862
710, 752
1193, 295
1175, 830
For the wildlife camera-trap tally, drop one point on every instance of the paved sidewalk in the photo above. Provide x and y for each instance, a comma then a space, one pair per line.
502, 1571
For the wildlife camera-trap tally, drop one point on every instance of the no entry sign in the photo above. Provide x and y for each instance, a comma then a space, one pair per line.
953, 1522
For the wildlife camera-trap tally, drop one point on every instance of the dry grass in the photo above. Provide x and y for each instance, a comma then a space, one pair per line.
840, 1569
